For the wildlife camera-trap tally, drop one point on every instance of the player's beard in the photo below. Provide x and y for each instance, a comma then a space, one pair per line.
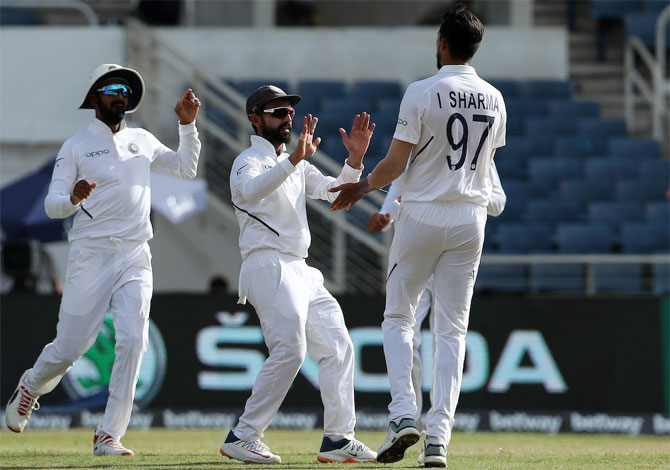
115, 113
274, 135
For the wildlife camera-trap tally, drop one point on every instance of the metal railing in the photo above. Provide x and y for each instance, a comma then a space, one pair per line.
652, 84
351, 260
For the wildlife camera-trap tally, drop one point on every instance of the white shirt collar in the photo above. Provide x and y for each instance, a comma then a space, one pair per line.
264, 145
458, 69
100, 127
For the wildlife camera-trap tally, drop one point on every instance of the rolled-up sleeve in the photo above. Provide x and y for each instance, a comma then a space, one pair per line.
57, 204
184, 162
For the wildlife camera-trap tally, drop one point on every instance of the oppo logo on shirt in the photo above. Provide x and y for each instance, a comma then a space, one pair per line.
96, 153
400, 121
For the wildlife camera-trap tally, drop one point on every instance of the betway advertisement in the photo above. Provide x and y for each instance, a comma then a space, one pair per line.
532, 363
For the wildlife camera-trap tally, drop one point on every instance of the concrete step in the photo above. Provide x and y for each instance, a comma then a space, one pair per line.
611, 106
600, 70
600, 86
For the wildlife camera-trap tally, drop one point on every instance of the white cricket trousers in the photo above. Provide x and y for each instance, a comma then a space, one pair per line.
297, 315
423, 309
102, 275
451, 253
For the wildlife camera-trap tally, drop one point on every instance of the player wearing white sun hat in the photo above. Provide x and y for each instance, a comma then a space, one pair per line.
102, 175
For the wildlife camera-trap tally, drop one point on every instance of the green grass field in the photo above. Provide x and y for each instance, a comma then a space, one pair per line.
199, 449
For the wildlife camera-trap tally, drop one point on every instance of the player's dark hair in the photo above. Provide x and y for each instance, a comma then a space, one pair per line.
462, 30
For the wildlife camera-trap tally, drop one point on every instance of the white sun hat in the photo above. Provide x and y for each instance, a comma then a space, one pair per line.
108, 71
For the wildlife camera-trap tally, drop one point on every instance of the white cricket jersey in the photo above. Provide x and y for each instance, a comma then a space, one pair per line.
268, 193
496, 205
120, 164
455, 120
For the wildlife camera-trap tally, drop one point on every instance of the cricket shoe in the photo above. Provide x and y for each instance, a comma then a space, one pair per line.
20, 406
345, 451
433, 453
104, 444
401, 434
248, 451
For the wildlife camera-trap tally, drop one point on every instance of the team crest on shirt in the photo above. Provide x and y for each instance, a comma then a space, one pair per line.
133, 147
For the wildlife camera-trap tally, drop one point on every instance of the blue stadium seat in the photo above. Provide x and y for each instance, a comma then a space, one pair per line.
607, 127
550, 171
548, 126
376, 89
517, 193
548, 89
579, 147
614, 213
641, 190
19, 17
553, 211
654, 169
633, 148
584, 191
584, 238
614, 9
619, 277
574, 109
540, 145
645, 238
557, 278
661, 278
321, 89
521, 108
385, 124
612, 169
510, 167
388, 105
508, 88
510, 278
658, 212
348, 106
515, 147
247, 86
523, 238
643, 26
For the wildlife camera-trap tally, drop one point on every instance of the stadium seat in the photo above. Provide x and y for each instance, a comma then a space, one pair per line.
509, 278
661, 278
633, 148
248, 86
19, 17
643, 26
517, 192
515, 147
552, 170
614, 9
510, 89
321, 89
614, 213
520, 108
585, 190
606, 127
540, 145
584, 238
557, 278
580, 146
618, 278
612, 169
389, 105
553, 211
523, 238
641, 190
654, 169
645, 238
658, 213
574, 109
377, 89
548, 89
548, 126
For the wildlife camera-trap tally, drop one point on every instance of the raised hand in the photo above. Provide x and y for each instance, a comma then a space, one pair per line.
307, 144
82, 189
350, 194
187, 107
358, 140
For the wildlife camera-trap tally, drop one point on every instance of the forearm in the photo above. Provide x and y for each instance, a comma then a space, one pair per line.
392, 166
260, 186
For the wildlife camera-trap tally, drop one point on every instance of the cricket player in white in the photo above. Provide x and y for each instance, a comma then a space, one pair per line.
297, 314
102, 174
381, 221
448, 128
